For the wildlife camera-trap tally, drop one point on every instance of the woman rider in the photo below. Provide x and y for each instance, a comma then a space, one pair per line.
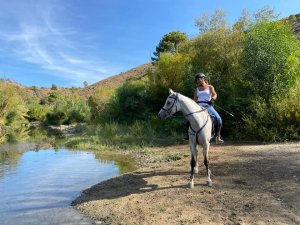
205, 95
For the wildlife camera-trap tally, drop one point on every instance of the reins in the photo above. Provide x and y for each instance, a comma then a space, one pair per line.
169, 110
195, 112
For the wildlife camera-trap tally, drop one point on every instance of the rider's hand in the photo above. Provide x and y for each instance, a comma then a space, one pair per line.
211, 102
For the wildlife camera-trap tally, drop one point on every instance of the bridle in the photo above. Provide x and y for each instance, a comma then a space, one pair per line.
169, 110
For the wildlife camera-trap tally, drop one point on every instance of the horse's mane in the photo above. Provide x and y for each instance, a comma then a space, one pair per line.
190, 101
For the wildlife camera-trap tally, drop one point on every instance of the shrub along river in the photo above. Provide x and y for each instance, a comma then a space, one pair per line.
38, 183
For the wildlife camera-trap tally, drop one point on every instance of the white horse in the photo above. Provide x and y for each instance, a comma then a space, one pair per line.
199, 130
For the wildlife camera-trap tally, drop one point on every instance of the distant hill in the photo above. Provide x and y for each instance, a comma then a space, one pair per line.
116, 80
113, 81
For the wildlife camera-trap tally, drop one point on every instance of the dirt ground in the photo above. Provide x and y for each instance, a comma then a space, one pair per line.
252, 184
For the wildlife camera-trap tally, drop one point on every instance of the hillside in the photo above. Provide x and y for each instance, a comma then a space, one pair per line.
117, 80
113, 81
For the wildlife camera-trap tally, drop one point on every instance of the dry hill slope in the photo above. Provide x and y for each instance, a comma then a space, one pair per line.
113, 81
116, 80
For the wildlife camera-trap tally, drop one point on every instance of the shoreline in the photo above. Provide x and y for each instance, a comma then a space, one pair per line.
250, 186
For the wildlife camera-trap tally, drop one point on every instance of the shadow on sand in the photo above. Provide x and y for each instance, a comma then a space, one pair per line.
127, 184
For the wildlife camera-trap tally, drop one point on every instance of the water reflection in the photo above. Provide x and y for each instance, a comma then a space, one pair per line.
39, 178
124, 163
37, 186
10, 155
17, 134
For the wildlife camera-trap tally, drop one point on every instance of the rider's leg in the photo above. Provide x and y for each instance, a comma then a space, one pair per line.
213, 112
187, 125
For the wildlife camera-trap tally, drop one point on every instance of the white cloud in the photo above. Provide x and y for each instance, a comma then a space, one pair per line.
37, 39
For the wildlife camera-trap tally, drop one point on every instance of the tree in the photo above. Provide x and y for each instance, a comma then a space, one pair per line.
170, 43
243, 22
268, 50
265, 14
85, 84
171, 69
54, 87
212, 23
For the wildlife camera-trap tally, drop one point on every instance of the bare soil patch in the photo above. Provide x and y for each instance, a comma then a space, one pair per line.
252, 184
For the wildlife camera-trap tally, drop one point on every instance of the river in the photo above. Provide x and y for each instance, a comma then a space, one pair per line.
37, 186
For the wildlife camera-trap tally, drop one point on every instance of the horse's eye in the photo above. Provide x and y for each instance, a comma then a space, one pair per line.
168, 103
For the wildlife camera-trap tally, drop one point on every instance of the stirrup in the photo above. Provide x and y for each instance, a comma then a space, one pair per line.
219, 140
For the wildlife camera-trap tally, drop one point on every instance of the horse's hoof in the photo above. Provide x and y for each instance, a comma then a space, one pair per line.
191, 184
209, 183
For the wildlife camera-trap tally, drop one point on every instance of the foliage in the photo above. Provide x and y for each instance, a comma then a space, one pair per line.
54, 87
265, 14
53, 96
170, 43
289, 108
13, 110
99, 102
37, 112
122, 135
130, 103
171, 70
268, 50
253, 67
211, 23
67, 109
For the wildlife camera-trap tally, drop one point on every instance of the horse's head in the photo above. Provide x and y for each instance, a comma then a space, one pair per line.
171, 106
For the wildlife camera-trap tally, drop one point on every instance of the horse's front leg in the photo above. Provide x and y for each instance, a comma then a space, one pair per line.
196, 168
206, 163
193, 164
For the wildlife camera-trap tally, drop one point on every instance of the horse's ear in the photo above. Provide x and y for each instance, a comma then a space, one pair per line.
171, 91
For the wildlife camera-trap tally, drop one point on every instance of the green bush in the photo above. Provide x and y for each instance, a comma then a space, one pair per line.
268, 48
37, 112
67, 109
99, 102
131, 102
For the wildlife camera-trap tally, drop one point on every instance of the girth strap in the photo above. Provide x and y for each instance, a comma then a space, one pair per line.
199, 130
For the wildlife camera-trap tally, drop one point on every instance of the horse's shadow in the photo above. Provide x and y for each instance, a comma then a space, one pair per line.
127, 184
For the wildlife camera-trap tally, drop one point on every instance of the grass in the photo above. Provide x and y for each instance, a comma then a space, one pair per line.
115, 136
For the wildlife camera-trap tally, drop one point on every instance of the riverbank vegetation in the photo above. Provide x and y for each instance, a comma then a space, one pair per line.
253, 64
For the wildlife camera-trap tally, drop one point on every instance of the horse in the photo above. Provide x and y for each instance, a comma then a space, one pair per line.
200, 130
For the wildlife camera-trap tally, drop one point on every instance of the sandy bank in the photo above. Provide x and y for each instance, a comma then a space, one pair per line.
252, 184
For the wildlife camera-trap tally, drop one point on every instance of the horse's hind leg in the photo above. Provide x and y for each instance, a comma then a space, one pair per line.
206, 163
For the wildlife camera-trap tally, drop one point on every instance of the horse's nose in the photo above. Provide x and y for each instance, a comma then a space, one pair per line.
159, 114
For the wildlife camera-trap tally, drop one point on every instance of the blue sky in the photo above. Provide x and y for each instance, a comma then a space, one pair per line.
67, 42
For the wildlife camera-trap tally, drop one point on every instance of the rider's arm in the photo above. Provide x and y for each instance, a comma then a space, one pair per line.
214, 94
195, 95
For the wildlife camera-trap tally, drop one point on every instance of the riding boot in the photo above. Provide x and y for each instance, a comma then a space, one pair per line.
219, 139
